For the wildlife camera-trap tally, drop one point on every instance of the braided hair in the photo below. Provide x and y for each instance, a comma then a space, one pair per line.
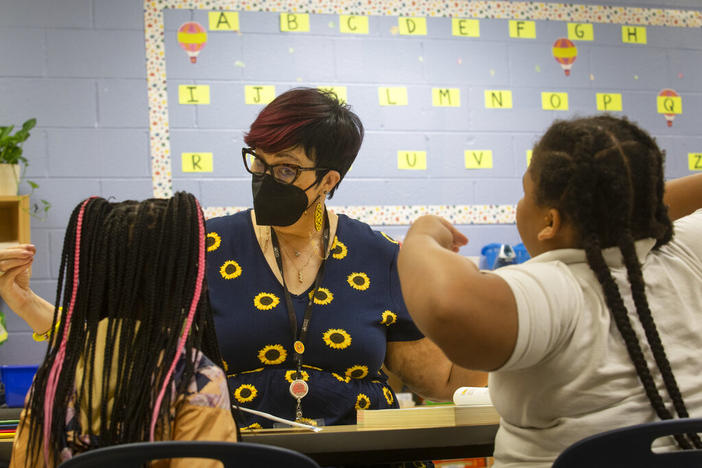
138, 265
605, 176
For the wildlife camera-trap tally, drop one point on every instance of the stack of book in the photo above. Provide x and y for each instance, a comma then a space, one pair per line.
472, 407
428, 416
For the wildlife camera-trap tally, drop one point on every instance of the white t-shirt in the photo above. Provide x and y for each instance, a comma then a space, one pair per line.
570, 375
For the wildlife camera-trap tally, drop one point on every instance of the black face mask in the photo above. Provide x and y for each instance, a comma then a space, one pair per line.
277, 204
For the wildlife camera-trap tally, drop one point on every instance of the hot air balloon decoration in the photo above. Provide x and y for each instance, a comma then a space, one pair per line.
565, 53
192, 37
668, 106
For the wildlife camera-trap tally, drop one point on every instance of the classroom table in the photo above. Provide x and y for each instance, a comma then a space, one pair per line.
352, 444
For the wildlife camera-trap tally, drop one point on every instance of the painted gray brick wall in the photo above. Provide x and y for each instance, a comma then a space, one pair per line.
78, 66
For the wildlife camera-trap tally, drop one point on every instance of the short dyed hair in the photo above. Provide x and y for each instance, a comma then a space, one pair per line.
330, 133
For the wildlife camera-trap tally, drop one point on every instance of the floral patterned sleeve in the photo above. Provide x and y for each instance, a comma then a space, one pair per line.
208, 394
204, 412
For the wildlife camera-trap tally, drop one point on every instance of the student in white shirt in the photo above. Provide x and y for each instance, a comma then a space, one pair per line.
603, 327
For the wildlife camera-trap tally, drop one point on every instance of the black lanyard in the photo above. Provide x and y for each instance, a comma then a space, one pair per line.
288, 300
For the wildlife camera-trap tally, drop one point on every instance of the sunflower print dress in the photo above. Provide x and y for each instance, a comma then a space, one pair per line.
357, 310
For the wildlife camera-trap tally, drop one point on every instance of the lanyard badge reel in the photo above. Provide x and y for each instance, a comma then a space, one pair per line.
298, 387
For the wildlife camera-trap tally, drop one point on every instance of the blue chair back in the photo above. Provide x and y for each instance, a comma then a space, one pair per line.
631, 446
232, 455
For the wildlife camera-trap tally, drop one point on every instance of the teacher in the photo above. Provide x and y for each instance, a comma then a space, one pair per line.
307, 303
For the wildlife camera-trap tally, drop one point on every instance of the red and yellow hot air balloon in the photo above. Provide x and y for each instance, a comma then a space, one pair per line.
192, 37
565, 53
668, 104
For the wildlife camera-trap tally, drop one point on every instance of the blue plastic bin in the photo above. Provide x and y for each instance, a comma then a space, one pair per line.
488, 254
17, 380
522, 254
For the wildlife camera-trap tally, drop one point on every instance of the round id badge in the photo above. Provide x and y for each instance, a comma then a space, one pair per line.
299, 389
299, 347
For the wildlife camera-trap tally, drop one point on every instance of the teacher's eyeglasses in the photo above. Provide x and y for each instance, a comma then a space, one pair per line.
283, 173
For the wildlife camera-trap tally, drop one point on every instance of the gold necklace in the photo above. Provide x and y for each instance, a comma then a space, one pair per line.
300, 270
298, 253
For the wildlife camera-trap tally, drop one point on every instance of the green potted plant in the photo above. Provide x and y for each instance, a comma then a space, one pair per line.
13, 164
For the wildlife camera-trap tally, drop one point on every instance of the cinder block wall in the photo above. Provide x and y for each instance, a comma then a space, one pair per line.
78, 66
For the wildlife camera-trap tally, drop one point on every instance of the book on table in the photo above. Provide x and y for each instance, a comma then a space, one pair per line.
475, 409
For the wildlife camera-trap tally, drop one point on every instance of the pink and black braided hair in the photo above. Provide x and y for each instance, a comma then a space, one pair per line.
140, 265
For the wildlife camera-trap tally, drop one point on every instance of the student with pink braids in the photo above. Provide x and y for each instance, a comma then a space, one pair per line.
132, 353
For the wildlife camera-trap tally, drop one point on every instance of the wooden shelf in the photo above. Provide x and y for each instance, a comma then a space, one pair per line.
14, 220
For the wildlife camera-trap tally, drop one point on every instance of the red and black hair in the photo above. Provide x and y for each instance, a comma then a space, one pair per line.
315, 119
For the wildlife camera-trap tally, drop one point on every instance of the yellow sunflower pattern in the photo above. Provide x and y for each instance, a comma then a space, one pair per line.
272, 354
252, 427
290, 375
341, 378
266, 301
338, 249
359, 281
213, 241
388, 318
245, 393
230, 270
389, 238
362, 401
357, 372
337, 338
388, 395
323, 296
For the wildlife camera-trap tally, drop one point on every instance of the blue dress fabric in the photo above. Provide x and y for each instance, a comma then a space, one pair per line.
358, 309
